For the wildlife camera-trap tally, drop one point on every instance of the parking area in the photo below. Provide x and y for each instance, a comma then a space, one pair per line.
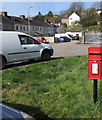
72, 48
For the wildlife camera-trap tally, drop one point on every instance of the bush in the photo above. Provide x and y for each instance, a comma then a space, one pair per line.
49, 35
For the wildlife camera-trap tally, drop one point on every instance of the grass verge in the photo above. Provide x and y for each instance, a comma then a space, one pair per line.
53, 89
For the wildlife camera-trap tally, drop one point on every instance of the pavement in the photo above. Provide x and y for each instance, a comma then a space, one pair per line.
72, 48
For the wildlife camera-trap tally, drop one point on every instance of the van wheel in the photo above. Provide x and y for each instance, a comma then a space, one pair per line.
45, 55
2, 62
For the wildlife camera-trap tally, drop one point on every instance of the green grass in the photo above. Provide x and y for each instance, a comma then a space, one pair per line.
54, 89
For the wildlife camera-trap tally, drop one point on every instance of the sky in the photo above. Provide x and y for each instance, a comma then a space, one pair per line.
22, 8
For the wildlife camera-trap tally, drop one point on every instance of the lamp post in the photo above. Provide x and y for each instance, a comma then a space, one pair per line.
29, 19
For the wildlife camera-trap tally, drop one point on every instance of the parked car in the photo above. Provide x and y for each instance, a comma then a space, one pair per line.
42, 39
77, 37
74, 37
62, 35
9, 113
64, 39
18, 46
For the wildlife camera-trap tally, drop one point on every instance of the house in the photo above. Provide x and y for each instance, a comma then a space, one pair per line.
71, 19
40, 27
22, 24
5, 22
65, 20
55, 16
99, 11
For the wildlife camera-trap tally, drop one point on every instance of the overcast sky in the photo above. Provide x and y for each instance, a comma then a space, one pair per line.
21, 8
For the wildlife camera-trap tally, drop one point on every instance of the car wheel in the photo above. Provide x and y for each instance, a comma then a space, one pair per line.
2, 62
45, 55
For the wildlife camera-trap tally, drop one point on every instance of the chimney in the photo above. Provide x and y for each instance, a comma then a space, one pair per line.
3, 13
22, 16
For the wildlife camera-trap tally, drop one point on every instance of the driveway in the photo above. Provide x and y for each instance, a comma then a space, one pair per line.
70, 49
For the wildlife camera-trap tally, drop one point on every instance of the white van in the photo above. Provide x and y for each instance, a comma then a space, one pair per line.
18, 46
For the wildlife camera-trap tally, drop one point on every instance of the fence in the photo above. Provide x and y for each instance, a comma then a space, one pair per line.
93, 37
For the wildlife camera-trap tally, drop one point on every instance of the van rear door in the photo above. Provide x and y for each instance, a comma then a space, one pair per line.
31, 47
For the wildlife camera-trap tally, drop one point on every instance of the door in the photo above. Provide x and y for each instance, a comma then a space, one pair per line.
31, 47
11, 47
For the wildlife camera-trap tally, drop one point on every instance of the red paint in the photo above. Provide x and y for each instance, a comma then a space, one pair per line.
95, 63
42, 39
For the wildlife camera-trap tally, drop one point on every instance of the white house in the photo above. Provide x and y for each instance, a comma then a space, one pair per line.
73, 18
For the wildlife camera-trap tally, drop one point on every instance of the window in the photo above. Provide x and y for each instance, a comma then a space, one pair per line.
27, 40
40, 29
27, 28
36, 28
20, 27
71, 23
33, 28
16, 27
23, 28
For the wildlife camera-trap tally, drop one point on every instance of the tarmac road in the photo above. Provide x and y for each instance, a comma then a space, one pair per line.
61, 50
67, 49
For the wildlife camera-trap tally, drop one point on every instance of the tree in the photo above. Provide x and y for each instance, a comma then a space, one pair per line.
90, 18
97, 5
76, 7
39, 16
64, 25
75, 27
50, 14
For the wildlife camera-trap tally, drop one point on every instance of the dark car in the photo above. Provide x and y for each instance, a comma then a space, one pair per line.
64, 39
9, 113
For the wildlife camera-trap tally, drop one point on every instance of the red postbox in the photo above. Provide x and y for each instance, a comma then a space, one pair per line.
95, 63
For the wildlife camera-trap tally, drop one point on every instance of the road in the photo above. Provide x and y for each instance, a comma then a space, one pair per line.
61, 50
70, 49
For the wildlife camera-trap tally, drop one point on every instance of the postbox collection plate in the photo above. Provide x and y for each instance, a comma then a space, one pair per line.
94, 68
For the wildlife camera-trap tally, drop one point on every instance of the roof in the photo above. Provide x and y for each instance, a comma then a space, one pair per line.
99, 10
5, 19
39, 23
67, 16
18, 20
74, 13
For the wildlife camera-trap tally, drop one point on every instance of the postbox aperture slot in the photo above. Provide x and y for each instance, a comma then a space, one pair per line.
95, 54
